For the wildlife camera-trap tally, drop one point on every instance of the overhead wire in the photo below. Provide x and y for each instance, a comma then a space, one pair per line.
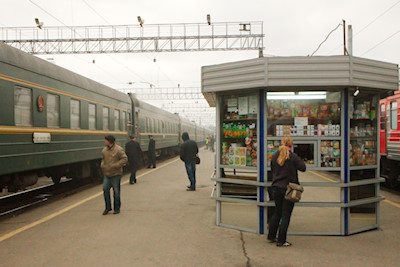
378, 17
54, 17
378, 44
370, 23
326, 38
106, 21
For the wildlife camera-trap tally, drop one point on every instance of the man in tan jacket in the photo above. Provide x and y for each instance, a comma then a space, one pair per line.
114, 158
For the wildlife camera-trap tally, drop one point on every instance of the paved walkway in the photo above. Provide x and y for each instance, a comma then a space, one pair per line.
163, 225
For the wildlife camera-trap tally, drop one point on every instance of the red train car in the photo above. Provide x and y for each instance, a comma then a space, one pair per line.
389, 131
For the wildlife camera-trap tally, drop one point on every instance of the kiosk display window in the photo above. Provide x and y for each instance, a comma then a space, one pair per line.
363, 129
239, 131
312, 119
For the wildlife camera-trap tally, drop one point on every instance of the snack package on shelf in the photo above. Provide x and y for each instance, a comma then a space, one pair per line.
362, 153
272, 148
330, 153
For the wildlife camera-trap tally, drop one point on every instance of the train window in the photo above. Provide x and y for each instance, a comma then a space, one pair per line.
92, 116
393, 115
124, 121
383, 115
53, 110
116, 120
23, 106
142, 124
75, 112
106, 118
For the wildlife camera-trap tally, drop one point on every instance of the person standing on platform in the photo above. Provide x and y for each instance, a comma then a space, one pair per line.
284, 167
152, 152
212, 141
188, 153
113, 160
206, 143
135, 154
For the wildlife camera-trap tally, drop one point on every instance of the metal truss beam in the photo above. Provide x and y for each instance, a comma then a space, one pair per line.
182, 93
224, 36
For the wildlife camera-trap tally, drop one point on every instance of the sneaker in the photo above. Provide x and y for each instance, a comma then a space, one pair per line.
106, 211
286, 244
116, 211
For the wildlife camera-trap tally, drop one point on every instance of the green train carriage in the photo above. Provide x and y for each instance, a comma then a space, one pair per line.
53, 121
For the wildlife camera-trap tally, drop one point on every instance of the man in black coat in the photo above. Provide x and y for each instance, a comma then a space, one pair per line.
188, 153
152, 152
135, 154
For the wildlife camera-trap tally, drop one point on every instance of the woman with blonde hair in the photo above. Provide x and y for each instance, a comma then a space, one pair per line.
284, 167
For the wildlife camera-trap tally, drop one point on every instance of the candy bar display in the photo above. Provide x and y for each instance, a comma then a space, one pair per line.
308, 130
330, 153
235, 154
362, 153
239, 131
362, 110
289, 109
305, 117
272, 147
362, 130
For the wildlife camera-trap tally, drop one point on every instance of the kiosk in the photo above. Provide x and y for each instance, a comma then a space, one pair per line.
330, 106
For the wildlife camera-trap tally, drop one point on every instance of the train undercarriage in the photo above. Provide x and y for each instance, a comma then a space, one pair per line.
390, 170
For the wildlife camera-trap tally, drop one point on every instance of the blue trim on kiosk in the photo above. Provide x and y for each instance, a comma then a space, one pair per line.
261, 157
346, 157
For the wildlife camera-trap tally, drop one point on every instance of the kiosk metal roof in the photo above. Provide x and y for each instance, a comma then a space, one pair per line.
298, 72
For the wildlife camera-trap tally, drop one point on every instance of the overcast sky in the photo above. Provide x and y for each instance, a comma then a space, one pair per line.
292, 28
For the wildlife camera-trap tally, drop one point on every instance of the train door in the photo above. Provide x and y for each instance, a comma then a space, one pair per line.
382, 128
136, 125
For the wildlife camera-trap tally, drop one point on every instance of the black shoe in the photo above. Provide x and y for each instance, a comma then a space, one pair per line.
106, 211
286, 244
132, 182
273, 240
190, 189
154, 167
116, 211
149, 167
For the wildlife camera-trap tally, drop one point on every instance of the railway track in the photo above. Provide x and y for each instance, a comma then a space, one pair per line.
21, 201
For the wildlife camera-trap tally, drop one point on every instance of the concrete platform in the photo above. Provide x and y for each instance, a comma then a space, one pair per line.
163, 225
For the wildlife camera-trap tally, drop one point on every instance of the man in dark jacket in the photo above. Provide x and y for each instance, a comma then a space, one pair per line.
135, 154
152, 152
188, 153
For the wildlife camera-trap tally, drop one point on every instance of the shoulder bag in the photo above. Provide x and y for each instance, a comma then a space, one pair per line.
293, 192
197, 160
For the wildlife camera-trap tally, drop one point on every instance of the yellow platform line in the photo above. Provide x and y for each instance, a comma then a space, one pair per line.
64, 210
397, 205
324, 177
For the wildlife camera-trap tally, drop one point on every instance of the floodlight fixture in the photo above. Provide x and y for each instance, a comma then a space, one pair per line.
39, 24
141, 21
